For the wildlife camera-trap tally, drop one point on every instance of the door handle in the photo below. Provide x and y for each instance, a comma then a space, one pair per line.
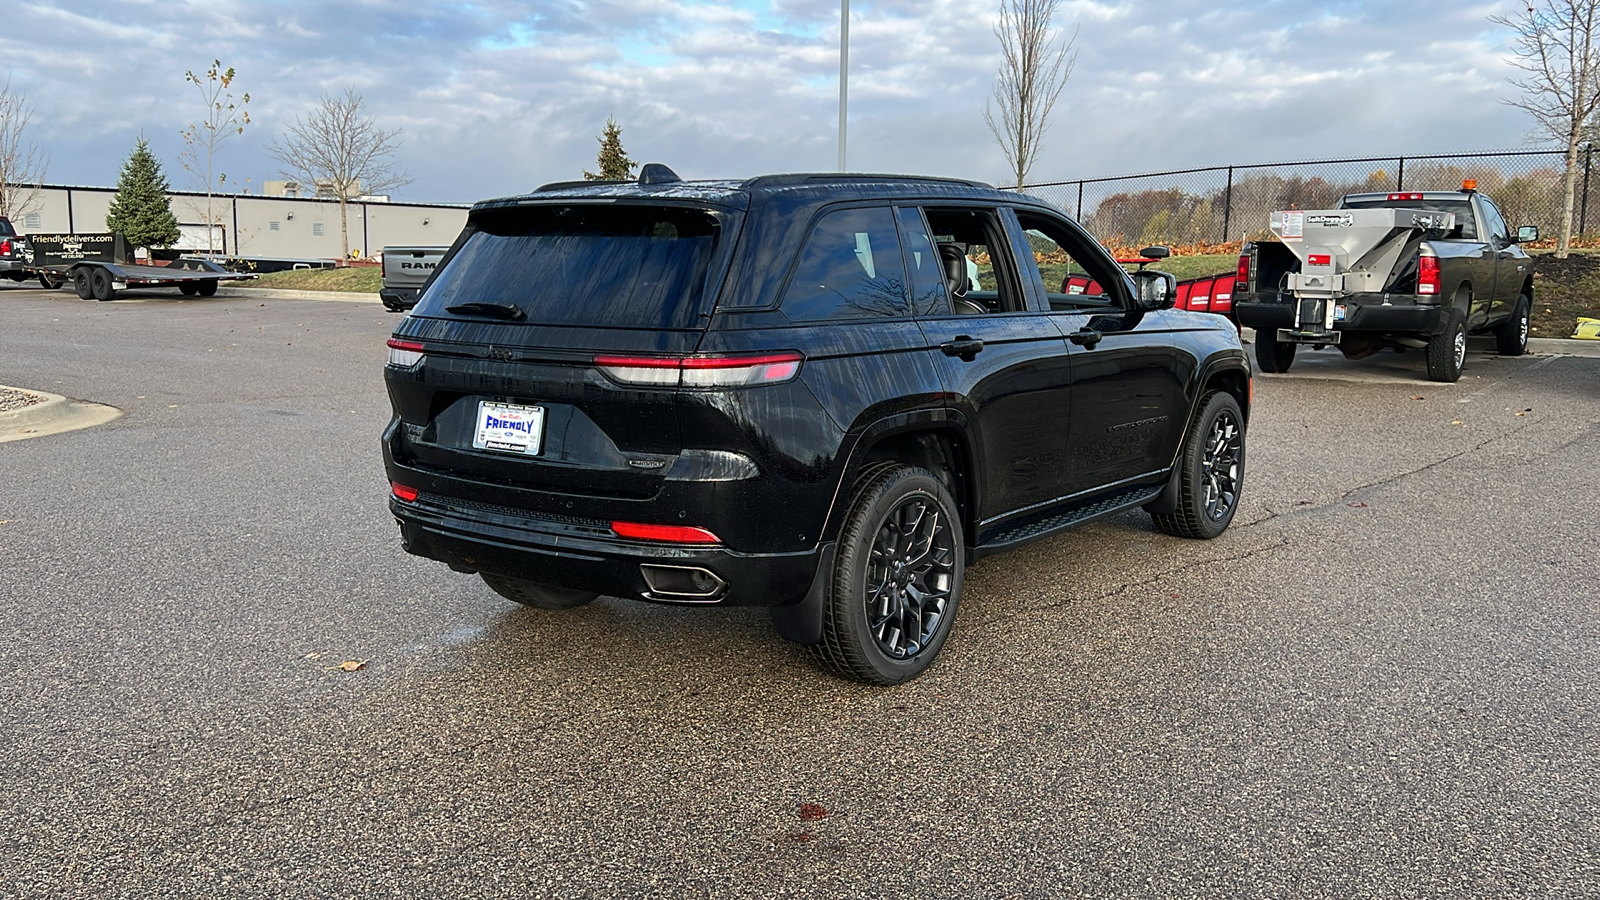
1086, 338
963, 346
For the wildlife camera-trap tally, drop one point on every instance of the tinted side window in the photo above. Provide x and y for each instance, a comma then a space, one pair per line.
850, 269
1493, 224
928, 294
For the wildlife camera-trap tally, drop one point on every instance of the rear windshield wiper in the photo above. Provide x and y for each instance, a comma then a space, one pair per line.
495, 310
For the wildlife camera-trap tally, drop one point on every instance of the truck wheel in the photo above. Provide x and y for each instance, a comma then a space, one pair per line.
51, 282
1211, 471
531, 593
1511, 338
187, 288
100, 283
1447, 350
207, 288
896, 583
1273, 355
81, 284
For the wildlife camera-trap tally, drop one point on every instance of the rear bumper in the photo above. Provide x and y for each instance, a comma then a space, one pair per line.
1363, 312
586, 555
398, 298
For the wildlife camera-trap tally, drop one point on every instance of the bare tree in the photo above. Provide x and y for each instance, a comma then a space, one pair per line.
342, 152
225, 117
1556, 46
1032, 73
21, 165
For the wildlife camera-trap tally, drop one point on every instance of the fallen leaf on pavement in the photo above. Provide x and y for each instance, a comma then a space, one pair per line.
352, 665
812, 812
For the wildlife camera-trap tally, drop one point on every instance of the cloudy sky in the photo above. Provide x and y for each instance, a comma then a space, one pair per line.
496, 96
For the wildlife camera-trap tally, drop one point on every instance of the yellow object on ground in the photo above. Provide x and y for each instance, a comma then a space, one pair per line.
1588, 329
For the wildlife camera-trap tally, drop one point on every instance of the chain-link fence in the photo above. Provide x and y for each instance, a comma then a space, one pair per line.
1191, 207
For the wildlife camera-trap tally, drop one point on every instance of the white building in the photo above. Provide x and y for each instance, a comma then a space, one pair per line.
259, 225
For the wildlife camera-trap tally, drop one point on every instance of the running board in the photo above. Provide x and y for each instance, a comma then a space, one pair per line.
1041, 528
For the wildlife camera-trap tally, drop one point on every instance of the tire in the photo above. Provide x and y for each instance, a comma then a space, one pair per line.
81, 284
207, 288
187, 288
532, 593
1447, 350
1511, 338
1211, 471
100, 282
899, 569
1272, 355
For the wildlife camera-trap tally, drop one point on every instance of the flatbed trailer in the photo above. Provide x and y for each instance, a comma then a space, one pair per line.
98, 266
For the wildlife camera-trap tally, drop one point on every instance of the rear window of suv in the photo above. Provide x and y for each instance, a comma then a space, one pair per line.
577, 265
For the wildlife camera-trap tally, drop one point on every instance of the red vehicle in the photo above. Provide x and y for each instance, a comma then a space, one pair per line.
1208, 293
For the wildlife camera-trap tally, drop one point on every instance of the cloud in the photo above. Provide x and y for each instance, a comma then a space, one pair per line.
497, 96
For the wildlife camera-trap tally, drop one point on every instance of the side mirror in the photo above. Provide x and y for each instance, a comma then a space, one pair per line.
1527, 234
1156, 252
1155, 290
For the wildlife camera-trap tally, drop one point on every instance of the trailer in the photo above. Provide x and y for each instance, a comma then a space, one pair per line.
99, 265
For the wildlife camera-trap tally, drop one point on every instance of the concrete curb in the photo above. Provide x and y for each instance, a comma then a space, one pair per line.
274, 294
1563, 347
55, 415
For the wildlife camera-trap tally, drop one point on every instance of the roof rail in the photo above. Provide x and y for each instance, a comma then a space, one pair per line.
825, 177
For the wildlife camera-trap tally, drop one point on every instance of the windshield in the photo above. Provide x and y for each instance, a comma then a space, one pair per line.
607, 266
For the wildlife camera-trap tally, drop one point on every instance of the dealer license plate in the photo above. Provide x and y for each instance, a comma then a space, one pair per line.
509, 428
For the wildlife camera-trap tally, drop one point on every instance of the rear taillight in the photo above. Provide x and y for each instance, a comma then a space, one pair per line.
1428, 275
1406, 196
672, 534
701, 371
5, 246
408, 494
404, 354
1242, 274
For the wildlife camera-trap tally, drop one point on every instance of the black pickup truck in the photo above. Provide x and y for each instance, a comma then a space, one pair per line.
14, 256
1409, 270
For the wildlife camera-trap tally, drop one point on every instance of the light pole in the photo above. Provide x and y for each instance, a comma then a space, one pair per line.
844, 74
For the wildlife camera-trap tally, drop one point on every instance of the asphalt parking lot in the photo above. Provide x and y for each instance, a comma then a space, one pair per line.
1383, 681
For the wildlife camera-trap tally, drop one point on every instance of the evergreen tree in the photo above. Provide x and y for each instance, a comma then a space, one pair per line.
614, 162
141, 210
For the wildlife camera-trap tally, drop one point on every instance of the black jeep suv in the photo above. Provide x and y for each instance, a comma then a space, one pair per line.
826, 394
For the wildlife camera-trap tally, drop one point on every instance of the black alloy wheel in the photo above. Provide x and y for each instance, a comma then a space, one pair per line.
897, 579
1211, 471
